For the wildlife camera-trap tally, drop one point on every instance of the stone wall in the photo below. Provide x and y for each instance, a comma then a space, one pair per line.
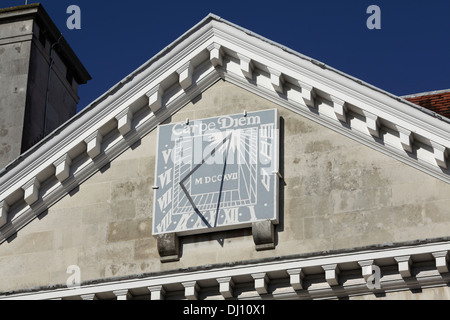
336, 194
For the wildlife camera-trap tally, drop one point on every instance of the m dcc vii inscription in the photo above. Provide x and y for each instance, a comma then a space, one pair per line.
217, 173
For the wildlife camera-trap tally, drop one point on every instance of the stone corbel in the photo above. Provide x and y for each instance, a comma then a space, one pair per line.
277, 80
226, 287
440, 154
62, 167
215, 54
155, 97
185, 75
246, 66
441, 258
191, 290
123, 294
263, 235
157, 292
373, 123
261, 282
31, 191
124, 119
296, 278
308, 94
94, 144
4, 209
366, 268
332, 274
340, 108
88, 297
168, 247
404, 266
406, 138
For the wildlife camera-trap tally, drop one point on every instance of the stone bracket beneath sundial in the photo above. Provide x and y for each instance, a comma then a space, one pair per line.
168, 247
263, 236
262, 231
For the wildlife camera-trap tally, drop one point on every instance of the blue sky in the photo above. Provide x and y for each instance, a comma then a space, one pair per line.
409, 54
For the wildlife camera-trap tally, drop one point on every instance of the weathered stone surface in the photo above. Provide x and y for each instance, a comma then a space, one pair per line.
336, 194
128, 230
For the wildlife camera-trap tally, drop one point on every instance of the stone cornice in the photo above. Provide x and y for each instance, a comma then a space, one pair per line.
323, 275
212, 50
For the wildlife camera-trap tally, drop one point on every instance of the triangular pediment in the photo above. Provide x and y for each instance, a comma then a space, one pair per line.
215, 49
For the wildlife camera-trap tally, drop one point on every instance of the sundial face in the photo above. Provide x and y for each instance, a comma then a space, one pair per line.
216, 173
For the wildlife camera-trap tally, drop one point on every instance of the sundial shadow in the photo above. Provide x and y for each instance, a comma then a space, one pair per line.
220, 237
218, 205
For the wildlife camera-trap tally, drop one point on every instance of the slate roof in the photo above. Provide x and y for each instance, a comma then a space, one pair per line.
436, 101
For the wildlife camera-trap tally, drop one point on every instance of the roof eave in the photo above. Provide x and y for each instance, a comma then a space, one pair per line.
212, 40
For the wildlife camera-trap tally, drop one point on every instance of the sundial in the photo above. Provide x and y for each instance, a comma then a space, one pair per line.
216, 173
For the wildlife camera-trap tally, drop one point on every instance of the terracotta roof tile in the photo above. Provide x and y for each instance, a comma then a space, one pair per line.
438, 101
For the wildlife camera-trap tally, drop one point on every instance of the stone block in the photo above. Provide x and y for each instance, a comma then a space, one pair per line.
129, 230
263, 235
168, 247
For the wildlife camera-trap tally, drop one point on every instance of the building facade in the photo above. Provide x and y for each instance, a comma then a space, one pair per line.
337, 190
